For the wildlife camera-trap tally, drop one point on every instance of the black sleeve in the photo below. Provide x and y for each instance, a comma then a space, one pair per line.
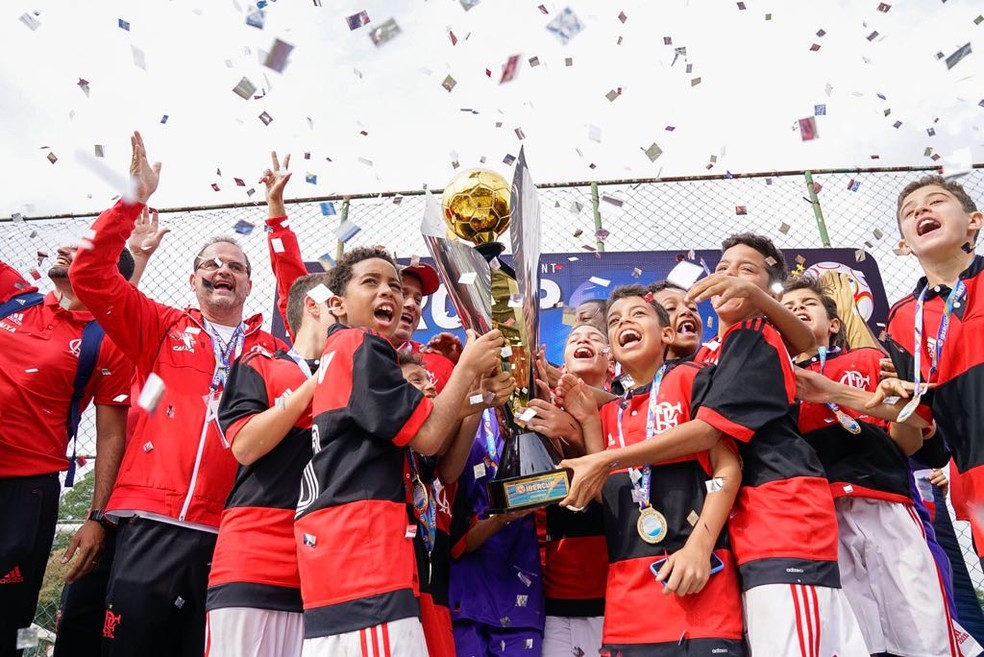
245, 393
933, 453
382, 401
749, 387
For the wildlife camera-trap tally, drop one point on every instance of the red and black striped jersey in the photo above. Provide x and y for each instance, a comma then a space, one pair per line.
868, 464
575, 563
637, 613
255, 559
783, 529
354, 537
434, 569
955, 403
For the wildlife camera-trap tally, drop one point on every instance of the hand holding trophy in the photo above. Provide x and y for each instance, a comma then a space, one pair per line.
479, 206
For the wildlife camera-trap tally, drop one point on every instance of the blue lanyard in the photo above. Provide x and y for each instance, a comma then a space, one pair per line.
225, 354
423, 503
490, 438
955, 295
845, 420
641, 478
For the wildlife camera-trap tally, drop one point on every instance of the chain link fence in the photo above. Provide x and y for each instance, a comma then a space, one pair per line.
799, 210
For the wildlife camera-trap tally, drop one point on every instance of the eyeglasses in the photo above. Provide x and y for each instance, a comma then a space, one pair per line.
215, 264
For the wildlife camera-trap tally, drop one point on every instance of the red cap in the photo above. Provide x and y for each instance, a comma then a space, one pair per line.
426, 275
12, 283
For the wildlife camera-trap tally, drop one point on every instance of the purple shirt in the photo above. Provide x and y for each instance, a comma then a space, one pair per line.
500, 583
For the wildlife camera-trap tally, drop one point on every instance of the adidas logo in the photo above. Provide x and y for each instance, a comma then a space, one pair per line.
13, 577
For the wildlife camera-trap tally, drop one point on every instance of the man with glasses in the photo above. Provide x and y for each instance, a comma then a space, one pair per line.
178, 469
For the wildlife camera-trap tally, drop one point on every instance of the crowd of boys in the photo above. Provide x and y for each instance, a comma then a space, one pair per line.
766, 492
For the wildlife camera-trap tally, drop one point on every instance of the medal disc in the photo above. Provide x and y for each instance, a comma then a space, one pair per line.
909, 409
848, 422
420, 498
651, 525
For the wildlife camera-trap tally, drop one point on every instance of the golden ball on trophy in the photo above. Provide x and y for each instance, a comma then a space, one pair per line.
476, 205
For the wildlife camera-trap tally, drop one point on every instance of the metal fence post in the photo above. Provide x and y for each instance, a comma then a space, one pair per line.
340, 247
817, 212
596, 210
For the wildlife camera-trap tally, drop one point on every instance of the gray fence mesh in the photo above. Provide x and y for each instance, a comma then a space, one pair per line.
857, 208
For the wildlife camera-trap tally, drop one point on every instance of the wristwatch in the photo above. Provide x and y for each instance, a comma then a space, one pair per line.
97, 515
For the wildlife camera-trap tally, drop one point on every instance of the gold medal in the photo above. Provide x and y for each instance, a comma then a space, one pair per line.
651, 525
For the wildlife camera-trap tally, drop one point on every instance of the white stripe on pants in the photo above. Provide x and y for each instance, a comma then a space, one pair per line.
400, 638
797, 620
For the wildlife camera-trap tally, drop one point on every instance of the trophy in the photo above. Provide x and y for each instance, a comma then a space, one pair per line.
479, 206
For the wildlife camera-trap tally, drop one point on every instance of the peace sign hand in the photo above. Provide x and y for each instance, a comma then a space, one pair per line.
275, 180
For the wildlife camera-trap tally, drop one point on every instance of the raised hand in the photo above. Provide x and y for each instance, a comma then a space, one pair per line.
275, 180
146, 235
724, 287
481, 353
144, 177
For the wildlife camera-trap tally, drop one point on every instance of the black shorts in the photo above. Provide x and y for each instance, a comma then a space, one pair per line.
27, 529
155, 603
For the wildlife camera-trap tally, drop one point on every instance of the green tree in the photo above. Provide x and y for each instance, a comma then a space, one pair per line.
74, 504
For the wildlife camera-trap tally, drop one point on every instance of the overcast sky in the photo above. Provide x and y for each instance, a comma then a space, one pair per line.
757, 77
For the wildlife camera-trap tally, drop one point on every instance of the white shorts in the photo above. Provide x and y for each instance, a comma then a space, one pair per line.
401, 638
796, 620
247, 632
564, 636
891, 580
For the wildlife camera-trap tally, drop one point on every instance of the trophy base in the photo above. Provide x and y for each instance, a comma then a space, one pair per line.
528, 477
529, 492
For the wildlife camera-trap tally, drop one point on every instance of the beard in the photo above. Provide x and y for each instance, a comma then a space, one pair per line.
58, 271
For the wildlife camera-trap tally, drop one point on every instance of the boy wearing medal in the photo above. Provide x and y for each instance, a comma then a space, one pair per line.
353, 535
887, 570
935, 334
782, 529
672, 583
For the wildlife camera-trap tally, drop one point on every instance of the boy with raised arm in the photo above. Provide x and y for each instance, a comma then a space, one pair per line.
354, 537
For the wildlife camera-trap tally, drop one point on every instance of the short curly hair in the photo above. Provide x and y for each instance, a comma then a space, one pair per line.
341, 273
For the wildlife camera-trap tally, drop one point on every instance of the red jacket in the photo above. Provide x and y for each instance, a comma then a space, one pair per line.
175, 466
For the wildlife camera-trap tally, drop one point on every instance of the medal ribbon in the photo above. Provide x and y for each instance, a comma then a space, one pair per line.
301, 362
955, 295
225, 353
426, 513
489, 435
822, 354
641, 478
845, 420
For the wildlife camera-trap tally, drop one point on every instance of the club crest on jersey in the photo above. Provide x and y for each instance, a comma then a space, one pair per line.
666, 416
441, 497
187, 341
855, 379
75, 347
